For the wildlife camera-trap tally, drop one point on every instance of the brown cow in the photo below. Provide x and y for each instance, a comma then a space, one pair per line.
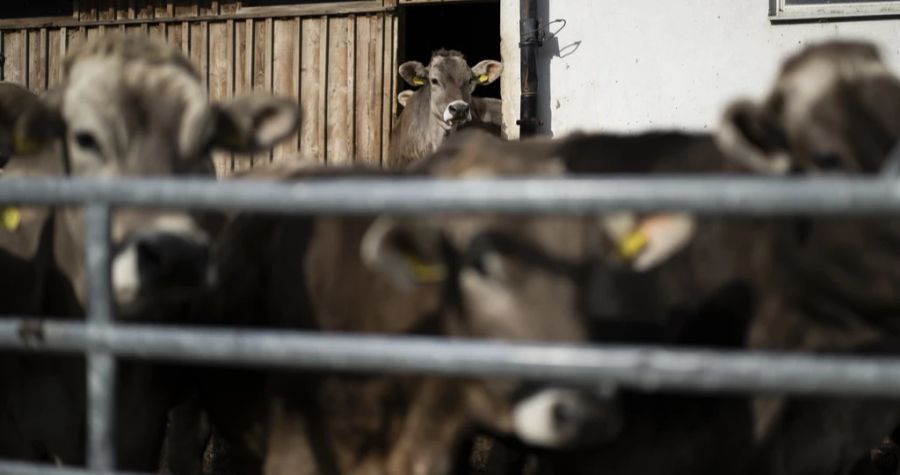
439, 106
128, 106
813, 276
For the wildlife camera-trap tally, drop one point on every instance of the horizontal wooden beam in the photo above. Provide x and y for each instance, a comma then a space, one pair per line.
245, 13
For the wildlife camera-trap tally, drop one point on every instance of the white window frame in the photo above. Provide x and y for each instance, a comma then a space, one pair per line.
783, 12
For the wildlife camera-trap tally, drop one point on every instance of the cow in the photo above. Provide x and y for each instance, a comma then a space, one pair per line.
485, 276
440, 105
134, 107
813, 284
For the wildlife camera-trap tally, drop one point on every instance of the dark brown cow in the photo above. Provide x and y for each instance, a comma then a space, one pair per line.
439, 106
481, 276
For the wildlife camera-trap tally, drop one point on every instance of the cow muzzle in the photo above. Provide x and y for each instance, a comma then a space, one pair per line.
457, 113
567, 419
159, 265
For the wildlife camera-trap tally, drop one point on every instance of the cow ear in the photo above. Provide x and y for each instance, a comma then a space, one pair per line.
751, 137
29, 123
647, 242
414, 73
254, 123
403, 97
408, 254
487, 71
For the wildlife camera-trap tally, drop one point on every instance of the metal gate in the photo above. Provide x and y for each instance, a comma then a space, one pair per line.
642, 368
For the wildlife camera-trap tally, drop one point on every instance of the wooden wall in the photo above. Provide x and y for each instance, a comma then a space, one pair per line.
338, 59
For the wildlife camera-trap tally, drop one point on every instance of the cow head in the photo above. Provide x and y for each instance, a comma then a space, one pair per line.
134, 107
835, 107
510, 277
449, 82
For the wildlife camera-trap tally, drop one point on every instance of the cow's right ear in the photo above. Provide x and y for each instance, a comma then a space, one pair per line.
249, 124
487, 71
751, 137
408, 254
414, 73
39, 124
403, 97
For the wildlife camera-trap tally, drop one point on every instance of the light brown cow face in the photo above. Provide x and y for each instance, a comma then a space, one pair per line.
133, 107
450, 82
834, 107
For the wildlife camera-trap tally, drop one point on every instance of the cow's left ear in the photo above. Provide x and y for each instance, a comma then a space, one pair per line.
414, 73
647, 242
254, 123
487, 71
409, 254
404, 96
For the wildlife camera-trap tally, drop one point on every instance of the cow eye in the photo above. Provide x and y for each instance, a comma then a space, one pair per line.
434, 82
86, 141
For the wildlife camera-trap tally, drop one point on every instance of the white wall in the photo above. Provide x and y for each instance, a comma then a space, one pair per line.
660, 64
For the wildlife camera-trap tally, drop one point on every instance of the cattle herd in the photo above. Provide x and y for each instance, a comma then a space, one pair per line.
130, 106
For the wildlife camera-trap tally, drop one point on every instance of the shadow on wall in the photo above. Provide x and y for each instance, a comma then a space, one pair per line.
554, 47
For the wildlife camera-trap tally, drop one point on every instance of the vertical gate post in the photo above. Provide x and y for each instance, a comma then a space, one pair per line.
101, 365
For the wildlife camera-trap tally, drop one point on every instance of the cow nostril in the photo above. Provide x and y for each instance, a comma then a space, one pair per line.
165, 259
564, 414
150, 257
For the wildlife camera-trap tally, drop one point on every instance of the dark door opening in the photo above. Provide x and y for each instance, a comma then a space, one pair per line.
472, 28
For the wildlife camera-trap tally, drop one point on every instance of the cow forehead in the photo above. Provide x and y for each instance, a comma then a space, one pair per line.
454, 67
116, 96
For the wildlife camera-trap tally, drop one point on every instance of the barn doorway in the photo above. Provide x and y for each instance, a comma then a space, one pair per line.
470, 27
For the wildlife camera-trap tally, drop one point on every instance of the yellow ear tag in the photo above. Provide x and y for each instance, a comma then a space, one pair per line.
632, 244
418, 81
425, 273
11, 217
483, 78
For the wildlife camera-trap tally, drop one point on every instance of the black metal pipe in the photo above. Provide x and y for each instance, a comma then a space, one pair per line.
530, 39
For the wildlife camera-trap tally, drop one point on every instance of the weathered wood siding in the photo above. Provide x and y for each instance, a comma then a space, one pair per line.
338, 59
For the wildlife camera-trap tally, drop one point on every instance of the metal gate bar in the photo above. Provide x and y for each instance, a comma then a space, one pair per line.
714, 194
650, 368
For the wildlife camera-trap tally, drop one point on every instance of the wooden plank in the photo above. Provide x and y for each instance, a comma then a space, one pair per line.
228, 7
175, 35
313, 72
123, 9
76, 37
243, 77
186, 9
389, 86
37, 60
286, 68
87, 10
143, 9
341, 64
290, 11
262, 78
208, 7
218, 81
314, 8
93, 33
197, 46
369, 87
55, 54
106, 10
14, 69
161, 9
